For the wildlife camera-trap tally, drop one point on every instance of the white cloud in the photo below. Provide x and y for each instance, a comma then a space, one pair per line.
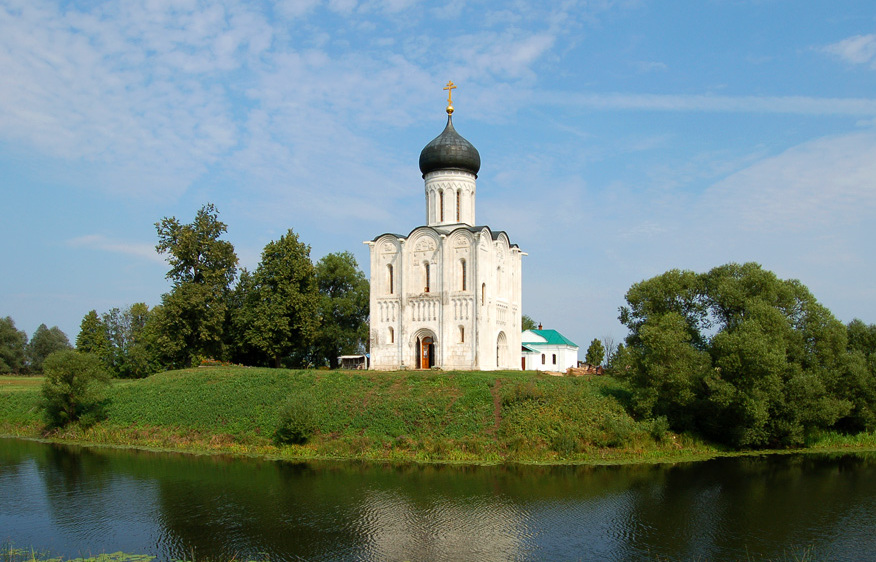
296, 8
826, 184
859, 49
801, 105
650, 66
104, 244
116, 88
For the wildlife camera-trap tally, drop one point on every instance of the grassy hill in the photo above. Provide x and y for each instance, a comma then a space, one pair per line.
429, 416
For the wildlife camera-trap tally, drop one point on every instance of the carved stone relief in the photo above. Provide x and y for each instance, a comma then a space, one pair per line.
425, 244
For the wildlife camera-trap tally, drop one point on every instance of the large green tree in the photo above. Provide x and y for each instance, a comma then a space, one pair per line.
93, 337
129, 356
192, 318
741, 356
278, 314
860, 378
13, 345
44, 342
343, 308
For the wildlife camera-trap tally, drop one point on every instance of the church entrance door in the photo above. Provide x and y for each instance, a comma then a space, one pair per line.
427, 353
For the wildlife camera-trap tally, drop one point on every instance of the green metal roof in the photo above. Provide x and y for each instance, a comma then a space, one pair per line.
552, 337
527, 348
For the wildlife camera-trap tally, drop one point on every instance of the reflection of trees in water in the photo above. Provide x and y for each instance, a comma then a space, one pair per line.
773, 506
361, 510
218, 508
84, 493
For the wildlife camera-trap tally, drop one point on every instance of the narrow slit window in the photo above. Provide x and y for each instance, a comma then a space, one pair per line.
463, 272
426, 276
461, 334
555, 358
458, 198
390, 279
391, 335
542, 358
441, 206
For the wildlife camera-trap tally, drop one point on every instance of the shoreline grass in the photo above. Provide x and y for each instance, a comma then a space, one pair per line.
451, 417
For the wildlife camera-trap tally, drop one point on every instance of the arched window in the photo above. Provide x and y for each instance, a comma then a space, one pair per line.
389, 278
462, 273
426, 278
391, 335
498, 282
555, 358
461, 334
441, 205
542, 358
458, 198
483, 293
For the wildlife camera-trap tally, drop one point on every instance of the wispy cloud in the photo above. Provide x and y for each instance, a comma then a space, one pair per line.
104, 244
117, 87
859, 49
826, 184
801, 105
650, 66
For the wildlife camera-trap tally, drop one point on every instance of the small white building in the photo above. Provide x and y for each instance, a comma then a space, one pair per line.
547, 350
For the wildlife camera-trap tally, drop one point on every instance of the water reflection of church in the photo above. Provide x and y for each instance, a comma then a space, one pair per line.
448, 294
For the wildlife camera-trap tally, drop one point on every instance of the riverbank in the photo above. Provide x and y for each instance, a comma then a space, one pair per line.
408, 416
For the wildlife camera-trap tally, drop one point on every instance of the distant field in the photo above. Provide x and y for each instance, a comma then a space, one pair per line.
13, 383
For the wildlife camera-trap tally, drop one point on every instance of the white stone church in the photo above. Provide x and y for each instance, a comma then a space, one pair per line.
447, 295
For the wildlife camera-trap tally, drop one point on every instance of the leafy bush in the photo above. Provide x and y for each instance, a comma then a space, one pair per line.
565, 443
73, 388
298, 421
523, 391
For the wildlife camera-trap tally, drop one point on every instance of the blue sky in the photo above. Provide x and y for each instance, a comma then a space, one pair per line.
618, 140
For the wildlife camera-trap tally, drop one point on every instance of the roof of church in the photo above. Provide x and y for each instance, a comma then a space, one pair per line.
450, 151
552, 337
473, 229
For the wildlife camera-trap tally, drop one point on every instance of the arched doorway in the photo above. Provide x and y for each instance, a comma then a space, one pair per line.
501, 351
425, 352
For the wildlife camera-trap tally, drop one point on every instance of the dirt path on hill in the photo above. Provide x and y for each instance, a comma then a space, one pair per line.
497, 406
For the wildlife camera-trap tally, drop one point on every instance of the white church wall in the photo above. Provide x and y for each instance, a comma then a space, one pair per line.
455, 189
459, 287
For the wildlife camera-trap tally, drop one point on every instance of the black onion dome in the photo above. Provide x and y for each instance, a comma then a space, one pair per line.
450, 151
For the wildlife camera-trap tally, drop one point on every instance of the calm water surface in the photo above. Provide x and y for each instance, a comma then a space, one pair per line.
78, 501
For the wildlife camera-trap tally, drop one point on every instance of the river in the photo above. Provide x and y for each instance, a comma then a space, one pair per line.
76, 501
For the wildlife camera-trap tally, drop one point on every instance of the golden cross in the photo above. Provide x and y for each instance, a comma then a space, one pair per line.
450, 87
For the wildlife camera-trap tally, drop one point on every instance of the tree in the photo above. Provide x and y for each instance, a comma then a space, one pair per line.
279, 313
343, 308
73, 388
610, 346
129, 355
861, 337
595, 353
859, 379
93, 337
193, 316
44, 342
739, 355
527, 323
13, 345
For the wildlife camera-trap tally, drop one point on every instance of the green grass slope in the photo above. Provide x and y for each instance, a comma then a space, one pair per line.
429, 416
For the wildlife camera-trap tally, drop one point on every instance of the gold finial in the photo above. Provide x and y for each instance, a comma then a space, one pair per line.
450, 87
